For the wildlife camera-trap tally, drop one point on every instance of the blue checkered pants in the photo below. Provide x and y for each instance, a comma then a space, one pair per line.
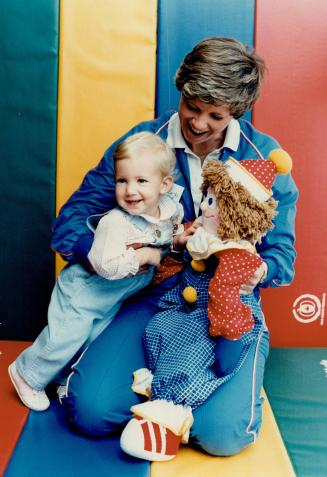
179, 350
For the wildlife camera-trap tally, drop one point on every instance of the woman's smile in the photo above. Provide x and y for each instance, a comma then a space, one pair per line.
195, 131
203, 125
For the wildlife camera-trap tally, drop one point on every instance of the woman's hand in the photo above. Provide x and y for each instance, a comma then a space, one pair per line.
148, 256
180, 240
259, 275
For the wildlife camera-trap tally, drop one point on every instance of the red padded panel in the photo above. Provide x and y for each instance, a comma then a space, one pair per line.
291, 36
13, 414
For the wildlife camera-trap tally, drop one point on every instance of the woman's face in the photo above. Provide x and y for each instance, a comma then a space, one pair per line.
203, 125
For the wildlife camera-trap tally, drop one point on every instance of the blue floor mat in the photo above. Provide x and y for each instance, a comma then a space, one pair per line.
49, 447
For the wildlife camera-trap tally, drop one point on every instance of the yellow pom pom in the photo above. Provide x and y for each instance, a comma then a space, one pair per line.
190, 294
282, 161
198, 265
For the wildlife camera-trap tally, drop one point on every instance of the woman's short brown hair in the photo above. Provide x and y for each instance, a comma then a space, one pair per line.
223, 72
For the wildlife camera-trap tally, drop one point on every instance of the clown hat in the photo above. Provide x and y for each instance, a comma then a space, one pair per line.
258, 175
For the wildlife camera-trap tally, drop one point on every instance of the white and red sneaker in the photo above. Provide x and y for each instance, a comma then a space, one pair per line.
149, 441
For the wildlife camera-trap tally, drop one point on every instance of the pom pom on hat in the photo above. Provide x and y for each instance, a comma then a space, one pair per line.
258, 175
282, 161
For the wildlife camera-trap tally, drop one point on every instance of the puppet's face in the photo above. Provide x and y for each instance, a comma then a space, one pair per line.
210, 214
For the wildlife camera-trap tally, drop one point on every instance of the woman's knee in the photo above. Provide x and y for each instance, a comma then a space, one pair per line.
90, 416
99, 394
226, 439
93, 412
231, 418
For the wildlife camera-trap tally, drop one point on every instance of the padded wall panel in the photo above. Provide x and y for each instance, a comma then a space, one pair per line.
12, 413
28, 105
106, 80
295, 382
182, 24
291, 35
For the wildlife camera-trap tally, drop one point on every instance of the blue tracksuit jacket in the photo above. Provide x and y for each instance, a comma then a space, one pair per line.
72, 238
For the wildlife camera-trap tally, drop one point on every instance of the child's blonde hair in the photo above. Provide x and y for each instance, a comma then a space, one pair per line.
144, 141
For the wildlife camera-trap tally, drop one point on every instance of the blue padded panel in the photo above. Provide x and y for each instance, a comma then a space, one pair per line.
182, 24
49, 447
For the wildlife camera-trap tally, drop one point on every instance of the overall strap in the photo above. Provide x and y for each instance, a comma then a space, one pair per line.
139, 222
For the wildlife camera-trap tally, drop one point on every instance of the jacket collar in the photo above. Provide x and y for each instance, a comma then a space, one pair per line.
175, 138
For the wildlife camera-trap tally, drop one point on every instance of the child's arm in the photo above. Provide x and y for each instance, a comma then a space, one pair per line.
110, 257
148, 256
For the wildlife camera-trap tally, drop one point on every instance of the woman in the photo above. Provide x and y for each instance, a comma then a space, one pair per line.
219, 80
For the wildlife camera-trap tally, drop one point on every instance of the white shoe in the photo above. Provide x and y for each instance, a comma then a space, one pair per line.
36, 400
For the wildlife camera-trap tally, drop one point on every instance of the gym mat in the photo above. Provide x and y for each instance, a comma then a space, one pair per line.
296, 384
12, 414
267, 457
49, 447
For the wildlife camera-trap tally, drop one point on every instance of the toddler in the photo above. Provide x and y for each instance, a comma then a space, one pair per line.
128, 244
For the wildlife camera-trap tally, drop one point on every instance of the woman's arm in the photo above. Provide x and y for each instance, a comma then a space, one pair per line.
277, 247
71, 236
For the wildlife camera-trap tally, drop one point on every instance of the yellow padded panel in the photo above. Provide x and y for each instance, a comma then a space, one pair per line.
267, 457
107, 63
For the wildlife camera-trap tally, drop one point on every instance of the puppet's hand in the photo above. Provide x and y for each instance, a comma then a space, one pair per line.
259, 275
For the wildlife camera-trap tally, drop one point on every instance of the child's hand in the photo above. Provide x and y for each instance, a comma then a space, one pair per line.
180, 240
148, 256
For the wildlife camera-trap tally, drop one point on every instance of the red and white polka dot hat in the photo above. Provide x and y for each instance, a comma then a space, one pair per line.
258, 175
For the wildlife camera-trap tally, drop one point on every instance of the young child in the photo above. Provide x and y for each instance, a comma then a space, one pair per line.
128, 244
203, 333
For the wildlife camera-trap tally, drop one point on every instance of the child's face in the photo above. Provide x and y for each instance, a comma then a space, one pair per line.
139, 184
210, 214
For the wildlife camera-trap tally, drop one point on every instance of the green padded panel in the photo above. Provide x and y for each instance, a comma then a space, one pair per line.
296, 384
28, 111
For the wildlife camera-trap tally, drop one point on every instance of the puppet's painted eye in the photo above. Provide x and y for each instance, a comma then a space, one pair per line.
211, 200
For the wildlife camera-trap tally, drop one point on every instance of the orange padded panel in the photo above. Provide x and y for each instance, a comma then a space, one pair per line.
107, 64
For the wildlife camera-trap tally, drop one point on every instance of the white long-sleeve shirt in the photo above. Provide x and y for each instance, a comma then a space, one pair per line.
112, 255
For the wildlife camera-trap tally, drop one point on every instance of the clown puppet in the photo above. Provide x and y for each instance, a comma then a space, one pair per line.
205, 327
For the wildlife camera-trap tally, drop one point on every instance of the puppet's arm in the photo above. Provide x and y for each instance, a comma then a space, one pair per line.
228, 316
